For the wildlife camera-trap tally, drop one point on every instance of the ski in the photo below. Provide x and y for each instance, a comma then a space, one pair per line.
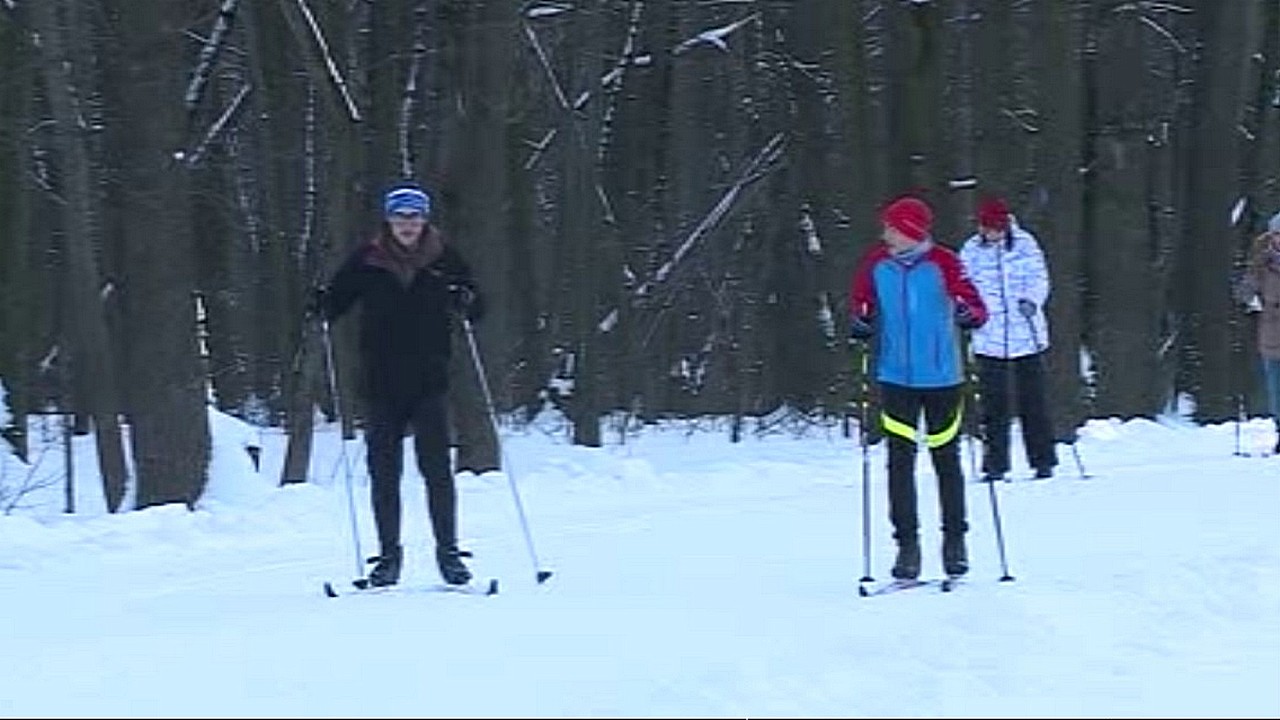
893, 586
361, 586
945, 584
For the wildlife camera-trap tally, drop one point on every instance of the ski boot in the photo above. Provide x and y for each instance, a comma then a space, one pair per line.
955, 557
449, 559
907, 565
386, 569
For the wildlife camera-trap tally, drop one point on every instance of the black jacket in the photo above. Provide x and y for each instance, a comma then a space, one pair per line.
405, 330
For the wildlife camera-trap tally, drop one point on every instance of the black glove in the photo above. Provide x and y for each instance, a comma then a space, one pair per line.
462, 300
316, 301
862, 327
965, 317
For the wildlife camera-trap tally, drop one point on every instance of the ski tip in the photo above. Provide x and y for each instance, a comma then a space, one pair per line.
361, 583
862, 591
493, 587
329, 591
543, 576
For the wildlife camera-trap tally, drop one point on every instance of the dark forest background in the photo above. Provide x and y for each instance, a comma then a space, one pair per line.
663, 199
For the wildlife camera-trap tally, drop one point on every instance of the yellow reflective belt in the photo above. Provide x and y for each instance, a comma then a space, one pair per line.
893, 426
949, 432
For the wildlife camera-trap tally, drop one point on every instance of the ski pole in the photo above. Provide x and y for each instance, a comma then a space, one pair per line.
331, 377
1006, 408
540, 575
1035, 338
995, 514
975, 425
864, 437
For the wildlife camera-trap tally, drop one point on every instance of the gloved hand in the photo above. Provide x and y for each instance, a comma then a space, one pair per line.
1254, 305
862, 327
316, 301
1026, 307
462, 300
965, 317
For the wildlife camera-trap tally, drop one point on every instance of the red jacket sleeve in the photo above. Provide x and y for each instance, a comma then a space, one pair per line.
959, 286
862, 290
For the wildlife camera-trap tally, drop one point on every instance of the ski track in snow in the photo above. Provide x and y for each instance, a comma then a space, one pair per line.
693, 576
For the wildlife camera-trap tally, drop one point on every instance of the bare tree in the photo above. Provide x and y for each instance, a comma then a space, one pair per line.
20, 269
1212, 185
169, 429
91, 357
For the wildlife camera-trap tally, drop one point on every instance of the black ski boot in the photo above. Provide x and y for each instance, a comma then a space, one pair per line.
907, 566
449, 558
955, 558
386, 569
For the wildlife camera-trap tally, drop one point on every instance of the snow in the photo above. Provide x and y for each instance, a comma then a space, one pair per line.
693, 577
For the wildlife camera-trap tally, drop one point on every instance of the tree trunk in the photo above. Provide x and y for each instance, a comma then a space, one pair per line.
1056, 200
20, 274
168, 421
1212, 184
91, 357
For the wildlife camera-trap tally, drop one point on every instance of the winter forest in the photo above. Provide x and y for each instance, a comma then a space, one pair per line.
663, 200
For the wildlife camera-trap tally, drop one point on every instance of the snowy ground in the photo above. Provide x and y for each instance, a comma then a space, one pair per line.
693, 577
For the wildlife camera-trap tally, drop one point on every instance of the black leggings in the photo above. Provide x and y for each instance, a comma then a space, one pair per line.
387, 425
901, 408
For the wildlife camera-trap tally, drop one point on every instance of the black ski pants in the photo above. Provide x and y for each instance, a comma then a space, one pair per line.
1001, 382
900, 412
388, 421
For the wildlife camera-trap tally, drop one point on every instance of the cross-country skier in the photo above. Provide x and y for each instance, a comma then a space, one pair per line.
912, 296
1007, 266
408, 280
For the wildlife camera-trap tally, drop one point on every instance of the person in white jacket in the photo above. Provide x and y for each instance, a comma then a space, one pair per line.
1006, 264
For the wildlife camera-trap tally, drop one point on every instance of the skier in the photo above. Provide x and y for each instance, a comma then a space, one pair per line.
1259, 290
1008, 268
911, 294
409, 281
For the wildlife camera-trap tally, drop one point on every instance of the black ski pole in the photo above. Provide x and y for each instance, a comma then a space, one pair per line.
540, 575
864, 435
331, 377
975, 425
995, 514
1006, 408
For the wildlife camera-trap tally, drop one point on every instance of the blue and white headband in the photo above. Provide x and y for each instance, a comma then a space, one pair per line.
406, 200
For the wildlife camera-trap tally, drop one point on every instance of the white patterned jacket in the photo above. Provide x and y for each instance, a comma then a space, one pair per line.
1004, 273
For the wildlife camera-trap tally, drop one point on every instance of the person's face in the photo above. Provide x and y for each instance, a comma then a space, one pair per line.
406, 228
896, 241
1273, 241
991, 234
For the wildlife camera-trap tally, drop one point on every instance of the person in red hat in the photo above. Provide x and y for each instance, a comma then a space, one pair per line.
1009, 269
913, 297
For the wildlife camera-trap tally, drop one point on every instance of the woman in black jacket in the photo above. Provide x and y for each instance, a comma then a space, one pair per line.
409, 282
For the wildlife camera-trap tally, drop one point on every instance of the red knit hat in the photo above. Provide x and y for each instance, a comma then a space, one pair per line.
909, 216
994, 214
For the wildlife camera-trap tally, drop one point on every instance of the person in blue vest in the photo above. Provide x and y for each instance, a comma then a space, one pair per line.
912, 296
